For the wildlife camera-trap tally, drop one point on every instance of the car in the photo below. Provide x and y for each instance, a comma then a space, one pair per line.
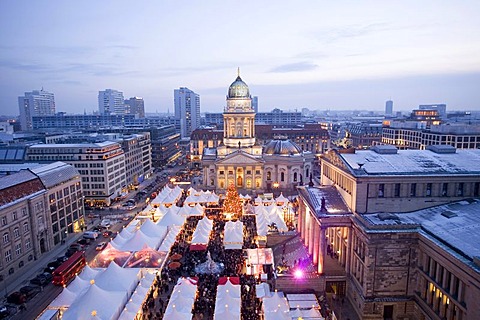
4, 311
107, 234
16, 298
101, 246
29, 291
39, 281
84, 242
47, 276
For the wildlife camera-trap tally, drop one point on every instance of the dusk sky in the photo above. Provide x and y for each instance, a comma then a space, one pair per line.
292, 54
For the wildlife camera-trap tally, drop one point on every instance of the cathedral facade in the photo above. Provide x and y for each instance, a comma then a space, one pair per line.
279, 164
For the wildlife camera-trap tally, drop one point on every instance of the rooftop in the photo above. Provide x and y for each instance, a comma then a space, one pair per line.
411, 162
455, 225
55, 173
76, 145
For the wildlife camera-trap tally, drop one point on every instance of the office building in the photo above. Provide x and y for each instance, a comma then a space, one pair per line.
111, 101
136, 106
101, 167
441, 108
187, 109
389, 108
276, 117
411, 135
35, 103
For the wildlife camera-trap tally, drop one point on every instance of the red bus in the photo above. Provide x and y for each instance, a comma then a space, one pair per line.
67, 270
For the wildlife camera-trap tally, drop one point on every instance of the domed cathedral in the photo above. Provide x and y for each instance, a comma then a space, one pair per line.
280, 164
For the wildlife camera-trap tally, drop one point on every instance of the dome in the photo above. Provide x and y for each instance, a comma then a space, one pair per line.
282, 147
238, 89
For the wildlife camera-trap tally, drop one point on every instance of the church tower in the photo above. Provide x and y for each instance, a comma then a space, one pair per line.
239, 116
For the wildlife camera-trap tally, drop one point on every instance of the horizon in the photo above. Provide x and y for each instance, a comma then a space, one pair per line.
341, 56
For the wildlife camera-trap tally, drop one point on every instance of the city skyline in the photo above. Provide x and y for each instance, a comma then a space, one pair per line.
315, 55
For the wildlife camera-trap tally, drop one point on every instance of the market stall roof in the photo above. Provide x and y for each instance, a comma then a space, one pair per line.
233, 235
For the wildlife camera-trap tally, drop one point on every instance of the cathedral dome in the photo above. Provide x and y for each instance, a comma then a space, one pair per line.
282, 148
238, 89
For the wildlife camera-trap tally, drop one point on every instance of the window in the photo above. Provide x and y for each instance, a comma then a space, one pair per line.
24, 212
269, 175
18, 249
28, 243
428, 192
8, 257
476, 189
25, 227
413, 190
257, 171
6, 237
381, 190
282, 176
295, 177
14, 215
16, 233
460, 190
4, 221
444, 189
396, 192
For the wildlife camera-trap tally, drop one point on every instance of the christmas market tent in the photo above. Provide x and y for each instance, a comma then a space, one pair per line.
171, 218
139, 239
89, 273
109, 254
181, 300
78, 285
170, 238
188, 211
213, 198
233, 237
201, 234
97, 303
261, 222
147, 258
281, 200
64, 299
276, 307
228, 302
116, 278
150, 229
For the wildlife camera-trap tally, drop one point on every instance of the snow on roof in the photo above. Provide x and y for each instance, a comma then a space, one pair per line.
55, 173
453, 225
408, 162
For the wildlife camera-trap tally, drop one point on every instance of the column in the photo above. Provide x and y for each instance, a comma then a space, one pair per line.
311, 242
322, 250
308, 222
348, 253
316, 243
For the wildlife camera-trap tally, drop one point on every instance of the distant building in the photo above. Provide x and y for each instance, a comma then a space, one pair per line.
364, 135
136, 106
389, 108
408, 135
111, 101
441, 108
275, 117
255, 104
187, 109
35, 103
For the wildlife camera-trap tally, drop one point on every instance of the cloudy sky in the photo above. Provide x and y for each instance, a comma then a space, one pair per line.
293, 54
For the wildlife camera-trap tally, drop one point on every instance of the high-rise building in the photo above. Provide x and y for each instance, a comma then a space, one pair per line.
255, 104
35, 103
187, 109
111, 102
389, 108
136, 106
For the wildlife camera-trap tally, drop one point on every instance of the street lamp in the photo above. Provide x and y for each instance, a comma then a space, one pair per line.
275, 186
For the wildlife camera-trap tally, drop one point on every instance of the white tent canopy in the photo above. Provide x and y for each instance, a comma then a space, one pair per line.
233, 238
276, 307
170, 238
181, 301
201, 234
228, 303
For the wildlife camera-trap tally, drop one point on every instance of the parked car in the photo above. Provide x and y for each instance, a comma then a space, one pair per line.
107, 234
39, 281
16, 298
4, 311
29, 291
47, 276
84, 242
101, 246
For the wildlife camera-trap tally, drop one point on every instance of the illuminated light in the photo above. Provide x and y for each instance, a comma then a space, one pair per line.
94, 313
92, 282
298, 273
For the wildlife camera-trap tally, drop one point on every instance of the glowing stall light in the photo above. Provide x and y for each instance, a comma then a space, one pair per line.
298, 274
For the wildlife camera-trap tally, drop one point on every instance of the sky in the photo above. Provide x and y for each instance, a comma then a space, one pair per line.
344, 55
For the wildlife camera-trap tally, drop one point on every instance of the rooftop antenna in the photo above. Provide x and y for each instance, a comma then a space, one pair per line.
238, 72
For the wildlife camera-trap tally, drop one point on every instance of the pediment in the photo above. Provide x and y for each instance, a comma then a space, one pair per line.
239, 157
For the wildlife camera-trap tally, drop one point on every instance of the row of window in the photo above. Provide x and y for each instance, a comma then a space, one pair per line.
444, 189
14, 216
16, 233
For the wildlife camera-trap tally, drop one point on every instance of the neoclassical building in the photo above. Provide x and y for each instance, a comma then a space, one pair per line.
239, 159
